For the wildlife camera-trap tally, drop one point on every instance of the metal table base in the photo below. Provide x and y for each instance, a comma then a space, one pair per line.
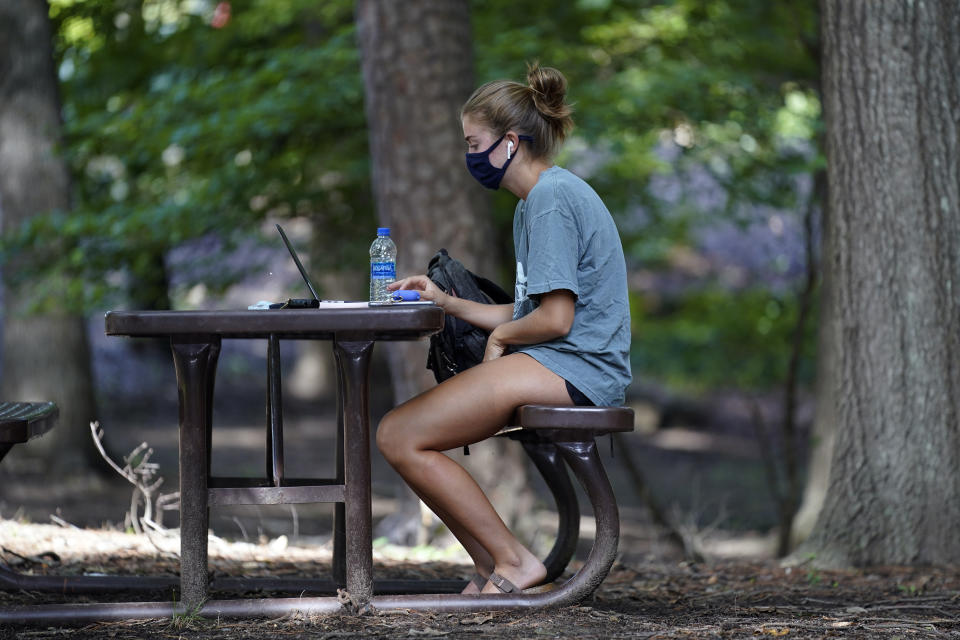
544, 454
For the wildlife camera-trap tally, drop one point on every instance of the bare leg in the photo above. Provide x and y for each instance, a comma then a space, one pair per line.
467, 408
482, 560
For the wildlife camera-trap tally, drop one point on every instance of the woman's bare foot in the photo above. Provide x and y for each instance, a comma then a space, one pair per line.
525, 572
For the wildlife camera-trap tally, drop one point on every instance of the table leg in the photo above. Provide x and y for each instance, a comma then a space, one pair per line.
196, 365
339, 528
353, 361
274, 413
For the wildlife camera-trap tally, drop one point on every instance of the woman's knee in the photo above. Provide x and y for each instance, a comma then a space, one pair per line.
390, 440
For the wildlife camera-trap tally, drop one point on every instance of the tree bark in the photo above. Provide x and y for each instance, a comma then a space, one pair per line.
44, 358
417, 69
417, 60
892, 104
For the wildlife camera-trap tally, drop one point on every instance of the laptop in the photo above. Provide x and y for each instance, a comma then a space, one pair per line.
296, 260
316, 302
309, 303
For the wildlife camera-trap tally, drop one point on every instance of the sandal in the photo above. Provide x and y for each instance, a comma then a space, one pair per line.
501, 583
505, 586
479, 581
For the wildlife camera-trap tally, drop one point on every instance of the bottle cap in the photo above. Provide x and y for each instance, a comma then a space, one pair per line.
383, 231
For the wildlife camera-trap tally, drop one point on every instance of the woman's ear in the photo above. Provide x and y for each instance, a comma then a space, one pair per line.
512, 141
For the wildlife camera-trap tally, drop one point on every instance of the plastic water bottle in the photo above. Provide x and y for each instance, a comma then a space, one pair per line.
383, 265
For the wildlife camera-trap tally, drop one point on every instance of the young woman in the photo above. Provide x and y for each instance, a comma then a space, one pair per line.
564, 341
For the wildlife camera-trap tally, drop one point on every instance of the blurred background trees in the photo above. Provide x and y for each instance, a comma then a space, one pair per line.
190, 125
44, 357
696, 120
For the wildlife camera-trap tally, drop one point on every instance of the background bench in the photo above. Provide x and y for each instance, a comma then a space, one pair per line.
23, 421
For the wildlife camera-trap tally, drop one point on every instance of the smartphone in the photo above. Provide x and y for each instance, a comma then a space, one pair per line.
297, 303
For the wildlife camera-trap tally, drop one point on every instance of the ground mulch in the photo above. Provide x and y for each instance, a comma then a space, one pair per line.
641, 598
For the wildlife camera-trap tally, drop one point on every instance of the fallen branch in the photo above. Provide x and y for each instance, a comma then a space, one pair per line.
143, 475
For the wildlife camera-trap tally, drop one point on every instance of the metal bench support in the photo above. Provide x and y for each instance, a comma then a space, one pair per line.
577, 448
575, 443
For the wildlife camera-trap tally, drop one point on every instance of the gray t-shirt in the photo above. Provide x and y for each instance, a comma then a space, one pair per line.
565, 238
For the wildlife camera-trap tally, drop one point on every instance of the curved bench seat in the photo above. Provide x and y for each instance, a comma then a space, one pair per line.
23, 421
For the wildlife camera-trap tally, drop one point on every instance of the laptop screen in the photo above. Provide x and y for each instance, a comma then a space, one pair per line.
296, 259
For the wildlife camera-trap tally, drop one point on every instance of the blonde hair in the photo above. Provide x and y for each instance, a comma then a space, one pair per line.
537, 109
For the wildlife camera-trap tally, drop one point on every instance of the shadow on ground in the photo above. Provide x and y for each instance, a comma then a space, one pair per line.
644, 599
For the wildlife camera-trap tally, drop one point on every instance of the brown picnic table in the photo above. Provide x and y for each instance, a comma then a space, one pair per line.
554, 437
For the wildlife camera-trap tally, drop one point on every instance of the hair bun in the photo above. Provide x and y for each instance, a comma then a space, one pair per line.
537, 109
549, 90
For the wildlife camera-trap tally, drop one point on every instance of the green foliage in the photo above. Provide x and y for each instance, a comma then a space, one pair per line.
733, 83
711, 338
667, 88
176, 131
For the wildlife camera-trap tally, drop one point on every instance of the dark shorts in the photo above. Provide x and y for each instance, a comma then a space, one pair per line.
577, 396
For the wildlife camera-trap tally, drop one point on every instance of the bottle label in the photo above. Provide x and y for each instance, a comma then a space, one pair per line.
383, 270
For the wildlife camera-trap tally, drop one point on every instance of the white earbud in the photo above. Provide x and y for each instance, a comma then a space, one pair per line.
509, 148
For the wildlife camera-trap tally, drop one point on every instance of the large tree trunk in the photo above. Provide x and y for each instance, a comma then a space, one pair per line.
44, 358
417, 70
892, 98
417, 66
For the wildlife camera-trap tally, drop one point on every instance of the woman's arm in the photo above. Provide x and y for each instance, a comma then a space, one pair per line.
485, 316
551, 320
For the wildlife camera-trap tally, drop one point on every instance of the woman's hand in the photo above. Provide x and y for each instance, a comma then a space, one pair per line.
495, 347
428, 290
551, 320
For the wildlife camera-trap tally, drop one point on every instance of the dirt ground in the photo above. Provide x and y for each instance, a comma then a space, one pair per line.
641, 598
713, 483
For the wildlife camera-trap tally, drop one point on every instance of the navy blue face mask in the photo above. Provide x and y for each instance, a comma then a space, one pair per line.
478, 164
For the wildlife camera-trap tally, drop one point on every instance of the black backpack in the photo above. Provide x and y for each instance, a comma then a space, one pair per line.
459, 345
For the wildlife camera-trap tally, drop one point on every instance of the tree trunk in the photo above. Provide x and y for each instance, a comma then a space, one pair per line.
44, 358
892, 98
417, 61
417, 69
824, 420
